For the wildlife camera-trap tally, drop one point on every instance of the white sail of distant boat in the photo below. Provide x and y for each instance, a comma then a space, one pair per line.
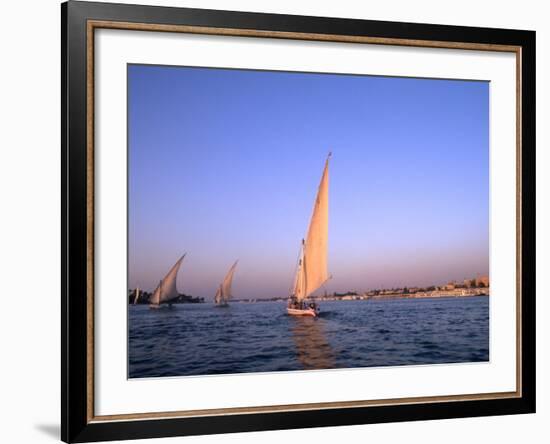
312, 271
218, 297
223, 293
166, 291
136, 299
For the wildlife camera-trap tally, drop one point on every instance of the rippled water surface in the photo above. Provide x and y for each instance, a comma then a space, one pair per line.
200, 339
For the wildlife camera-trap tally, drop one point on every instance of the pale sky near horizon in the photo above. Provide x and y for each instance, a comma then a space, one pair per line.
224, 165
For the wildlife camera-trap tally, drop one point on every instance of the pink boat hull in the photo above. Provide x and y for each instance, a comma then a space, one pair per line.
301, 312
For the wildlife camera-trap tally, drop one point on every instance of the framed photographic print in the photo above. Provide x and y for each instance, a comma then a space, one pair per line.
275, 221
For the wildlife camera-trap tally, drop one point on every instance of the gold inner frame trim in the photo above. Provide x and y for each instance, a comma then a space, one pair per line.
96, 24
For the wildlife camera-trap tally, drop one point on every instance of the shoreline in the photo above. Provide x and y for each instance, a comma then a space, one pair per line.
455, 293
420, 295
435, 294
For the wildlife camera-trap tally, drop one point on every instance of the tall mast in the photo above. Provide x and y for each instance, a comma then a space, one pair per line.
304, 274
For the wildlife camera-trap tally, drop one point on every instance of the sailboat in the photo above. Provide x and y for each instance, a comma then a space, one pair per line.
312, 271
223, 293
136, 299
166, 291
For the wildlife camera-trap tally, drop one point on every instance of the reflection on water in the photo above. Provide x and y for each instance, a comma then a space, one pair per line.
312, 348
201, 339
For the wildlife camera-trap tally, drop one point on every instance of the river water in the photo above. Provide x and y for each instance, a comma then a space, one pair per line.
201, 339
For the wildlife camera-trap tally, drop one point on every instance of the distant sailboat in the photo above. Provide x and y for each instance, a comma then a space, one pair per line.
312, 269
136, 299
166, 291
223, 293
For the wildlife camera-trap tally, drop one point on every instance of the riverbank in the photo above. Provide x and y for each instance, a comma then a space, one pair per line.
388, 294
457, 293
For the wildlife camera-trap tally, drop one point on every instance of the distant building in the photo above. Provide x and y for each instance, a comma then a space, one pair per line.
482, 281
450, 286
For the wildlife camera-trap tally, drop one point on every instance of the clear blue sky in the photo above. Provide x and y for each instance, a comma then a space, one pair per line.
224, 165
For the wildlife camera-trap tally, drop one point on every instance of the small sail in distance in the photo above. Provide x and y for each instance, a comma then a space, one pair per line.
223, 293
167, 291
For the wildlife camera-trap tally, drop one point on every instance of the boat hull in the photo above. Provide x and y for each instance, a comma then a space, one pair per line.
301, 312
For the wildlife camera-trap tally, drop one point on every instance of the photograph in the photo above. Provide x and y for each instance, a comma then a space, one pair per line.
294, 219
283, 221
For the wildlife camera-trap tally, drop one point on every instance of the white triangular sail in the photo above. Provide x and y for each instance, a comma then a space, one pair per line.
223, 294
167, 290
313, 268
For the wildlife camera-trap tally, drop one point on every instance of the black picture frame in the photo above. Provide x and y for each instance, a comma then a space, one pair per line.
76, 423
